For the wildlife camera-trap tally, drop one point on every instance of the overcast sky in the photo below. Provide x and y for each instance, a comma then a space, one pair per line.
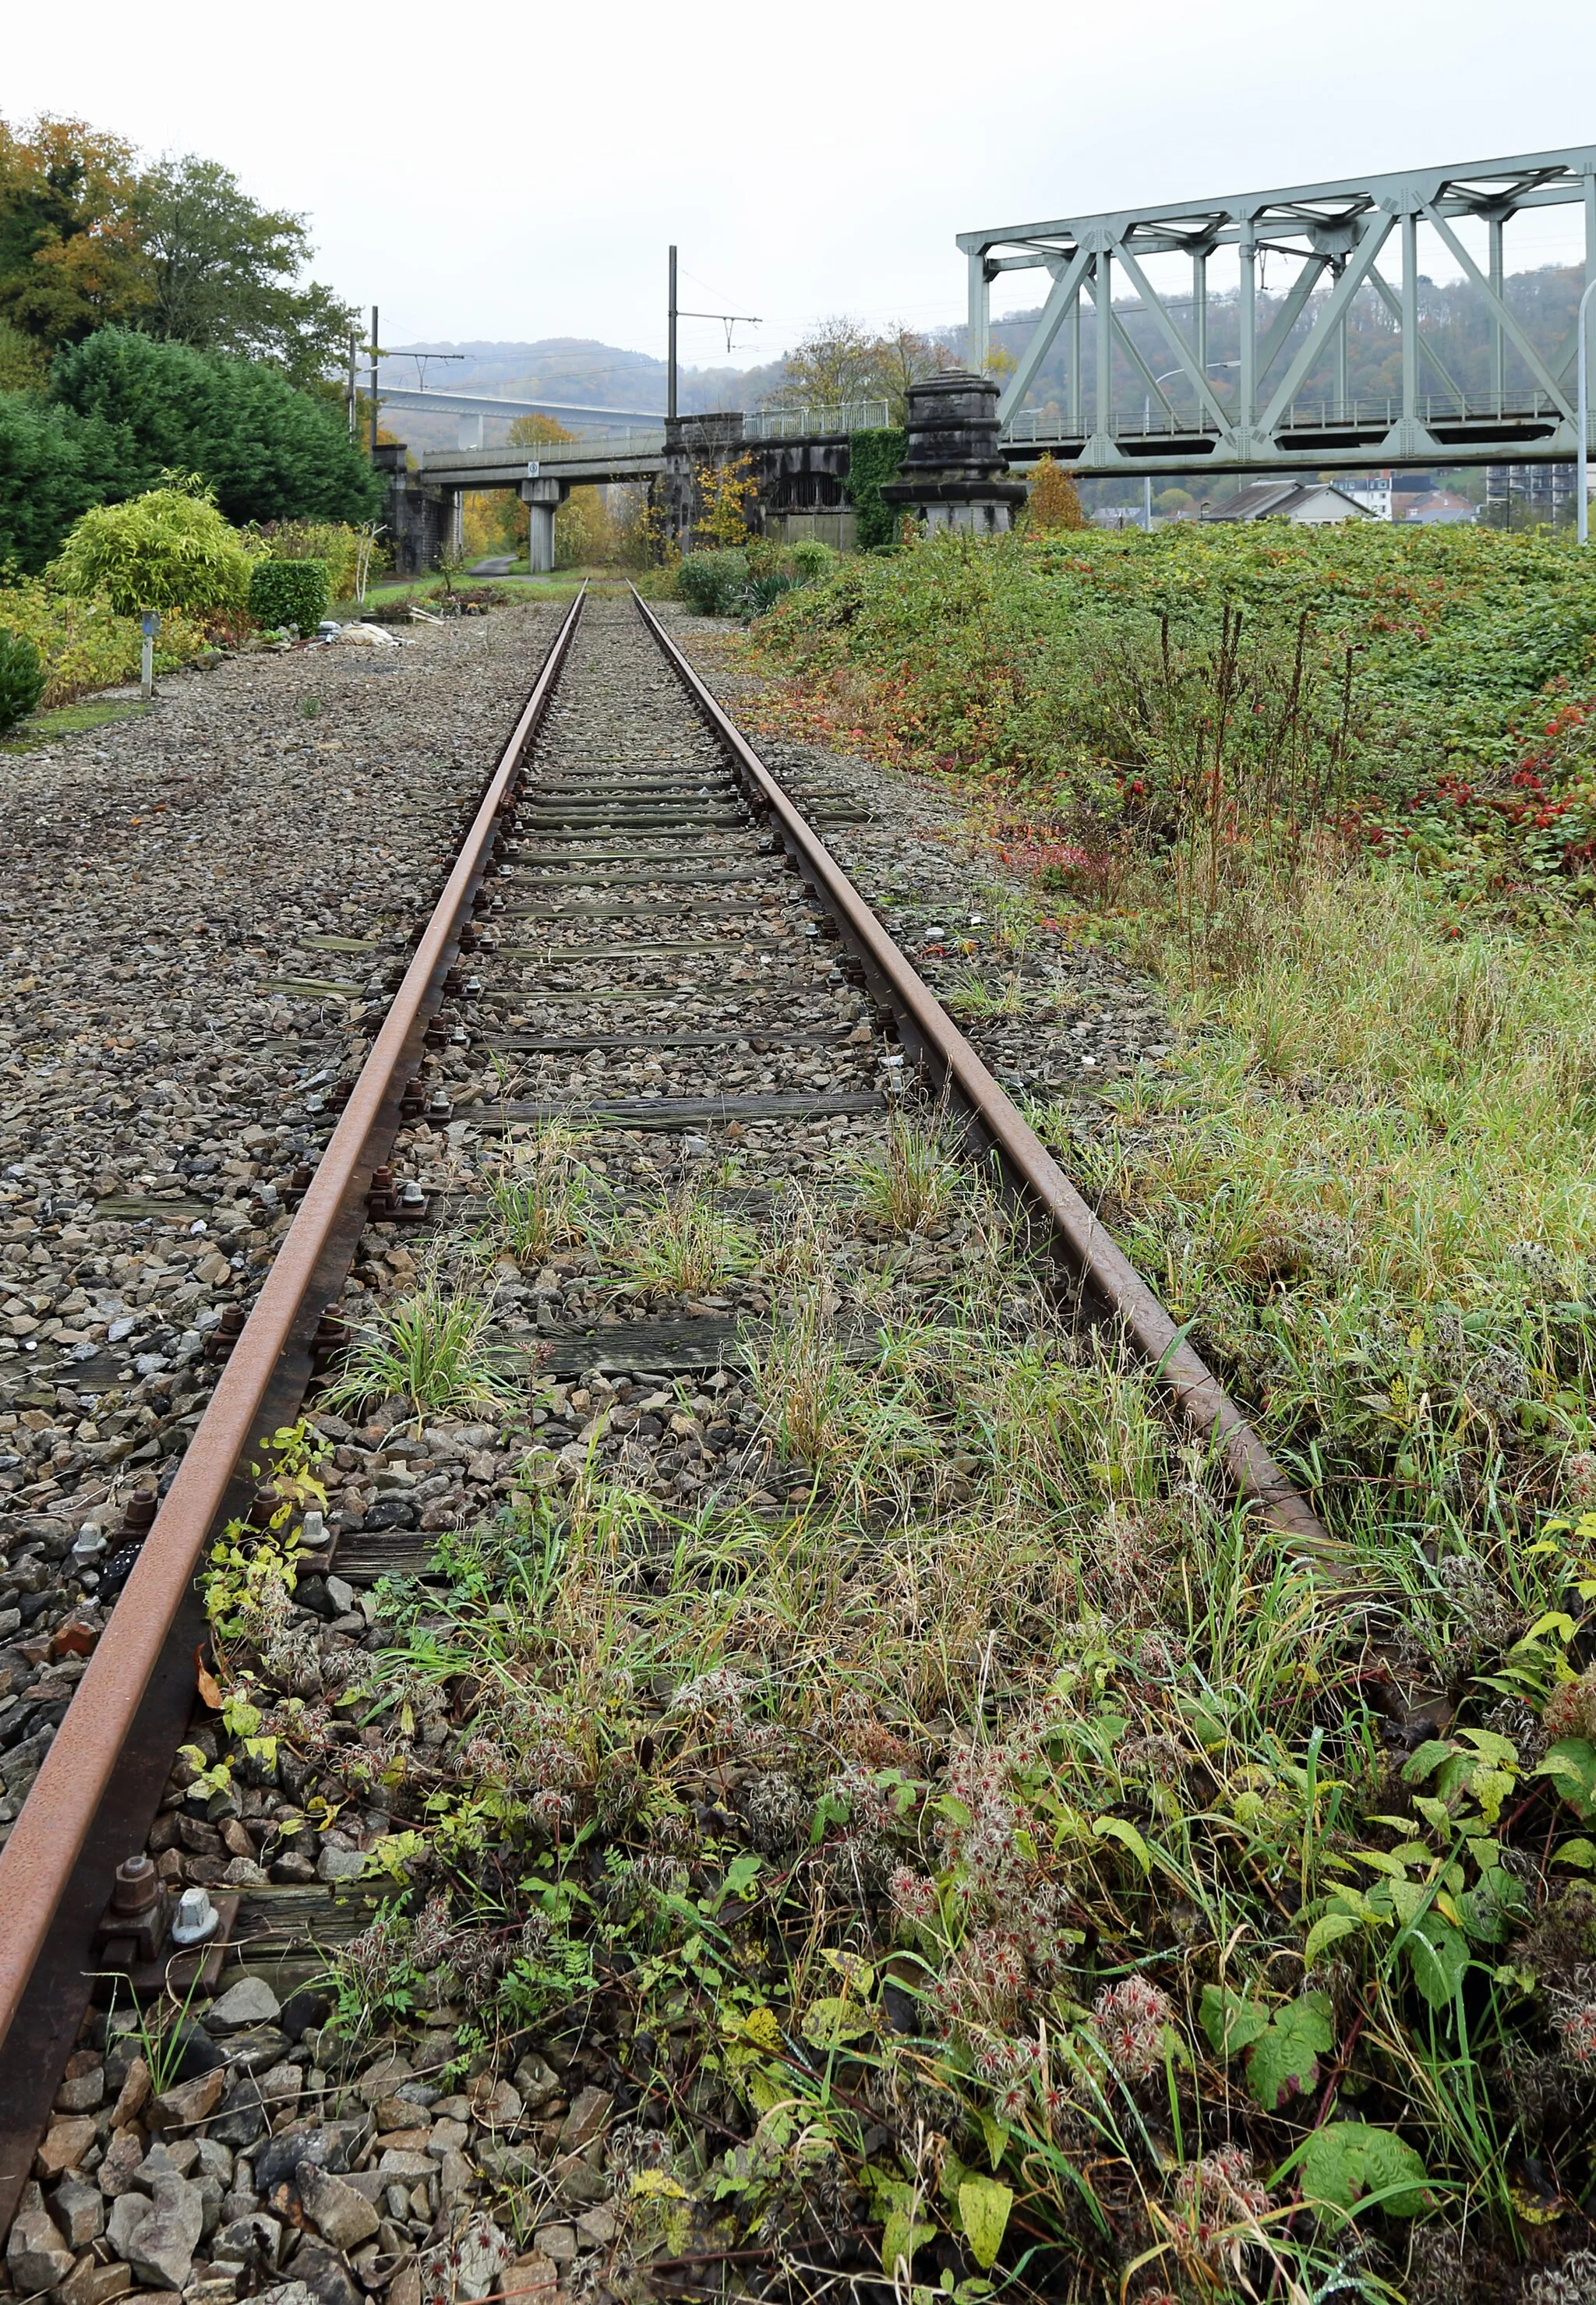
494, 170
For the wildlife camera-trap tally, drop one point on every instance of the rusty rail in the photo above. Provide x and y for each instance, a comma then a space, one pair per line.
1098, 1263
38, 1862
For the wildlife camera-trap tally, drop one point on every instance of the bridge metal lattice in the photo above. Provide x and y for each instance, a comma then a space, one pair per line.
1290, 404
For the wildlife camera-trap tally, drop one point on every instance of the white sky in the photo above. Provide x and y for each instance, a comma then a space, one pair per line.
494, 170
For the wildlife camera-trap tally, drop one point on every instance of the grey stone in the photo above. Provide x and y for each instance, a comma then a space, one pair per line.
557, 2241
289, 2292
213, 2160
327, 2276
253, 2239
339, 2213
411, 2166
36, 2254
80, 2210
384, 2078
160, 2244
249, 2002
330, 2144
254, 2051
118, 2172
340, 1865
537, 2082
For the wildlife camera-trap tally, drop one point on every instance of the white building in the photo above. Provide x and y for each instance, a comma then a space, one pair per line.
1312, 503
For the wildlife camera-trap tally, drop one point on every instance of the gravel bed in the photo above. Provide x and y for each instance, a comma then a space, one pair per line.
969, 926
200, 901
293, 2153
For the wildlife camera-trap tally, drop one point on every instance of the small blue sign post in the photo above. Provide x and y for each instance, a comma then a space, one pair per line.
151, 624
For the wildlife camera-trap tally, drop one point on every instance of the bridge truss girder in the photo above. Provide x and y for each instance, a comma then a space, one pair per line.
1336, 234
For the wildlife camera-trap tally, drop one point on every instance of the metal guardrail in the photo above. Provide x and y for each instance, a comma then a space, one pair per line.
1039, 427
545, 453
803, 422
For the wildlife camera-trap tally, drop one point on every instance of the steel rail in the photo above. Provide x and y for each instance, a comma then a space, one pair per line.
1098, 1263
38, 1860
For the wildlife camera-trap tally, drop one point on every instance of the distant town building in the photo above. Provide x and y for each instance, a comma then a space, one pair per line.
1441, 509
1311, 503
1372, 491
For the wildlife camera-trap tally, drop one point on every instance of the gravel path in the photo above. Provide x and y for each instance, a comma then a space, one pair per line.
198, 903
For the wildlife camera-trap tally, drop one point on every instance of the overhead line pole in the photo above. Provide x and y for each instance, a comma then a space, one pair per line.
375, 340
670, 342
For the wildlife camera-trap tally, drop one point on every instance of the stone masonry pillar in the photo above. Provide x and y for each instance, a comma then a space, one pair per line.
955, 474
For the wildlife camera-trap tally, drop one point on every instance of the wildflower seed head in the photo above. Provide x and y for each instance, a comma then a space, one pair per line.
1575, 2024
1128, 2020
1570, 1711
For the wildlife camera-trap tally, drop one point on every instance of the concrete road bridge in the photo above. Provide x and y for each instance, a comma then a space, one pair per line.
797, 457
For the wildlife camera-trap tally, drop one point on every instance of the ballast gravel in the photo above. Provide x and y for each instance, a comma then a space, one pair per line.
200, 905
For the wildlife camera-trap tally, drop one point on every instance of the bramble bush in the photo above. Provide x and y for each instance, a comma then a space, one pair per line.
1114, 687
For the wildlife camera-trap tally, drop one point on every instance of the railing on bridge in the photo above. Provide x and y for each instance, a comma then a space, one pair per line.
1040, 427
806, 422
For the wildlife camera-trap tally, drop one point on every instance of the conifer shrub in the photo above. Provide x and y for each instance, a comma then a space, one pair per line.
21, 679
289, 592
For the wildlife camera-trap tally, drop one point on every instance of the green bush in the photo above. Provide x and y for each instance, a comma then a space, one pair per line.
713, 583
284, 592
53, 465
874, 458
169, 548
21, 679
763, 592
812, 559
268, 451
334, 543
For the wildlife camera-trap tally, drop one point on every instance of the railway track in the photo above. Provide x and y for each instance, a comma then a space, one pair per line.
678, 1002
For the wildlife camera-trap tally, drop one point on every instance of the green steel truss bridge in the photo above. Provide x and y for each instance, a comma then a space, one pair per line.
1284, 401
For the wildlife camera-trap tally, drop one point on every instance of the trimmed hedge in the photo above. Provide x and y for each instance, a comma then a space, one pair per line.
284, 592
874, 457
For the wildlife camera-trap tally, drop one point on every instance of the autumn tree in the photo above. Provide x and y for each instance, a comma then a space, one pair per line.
725, 494
526, 431
905, 357
839, 359
70, 257
1055, 501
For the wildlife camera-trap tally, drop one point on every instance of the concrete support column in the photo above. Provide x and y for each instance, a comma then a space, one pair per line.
542, 499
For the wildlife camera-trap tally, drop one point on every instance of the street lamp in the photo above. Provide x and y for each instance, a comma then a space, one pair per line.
1582, 491
1146, 426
